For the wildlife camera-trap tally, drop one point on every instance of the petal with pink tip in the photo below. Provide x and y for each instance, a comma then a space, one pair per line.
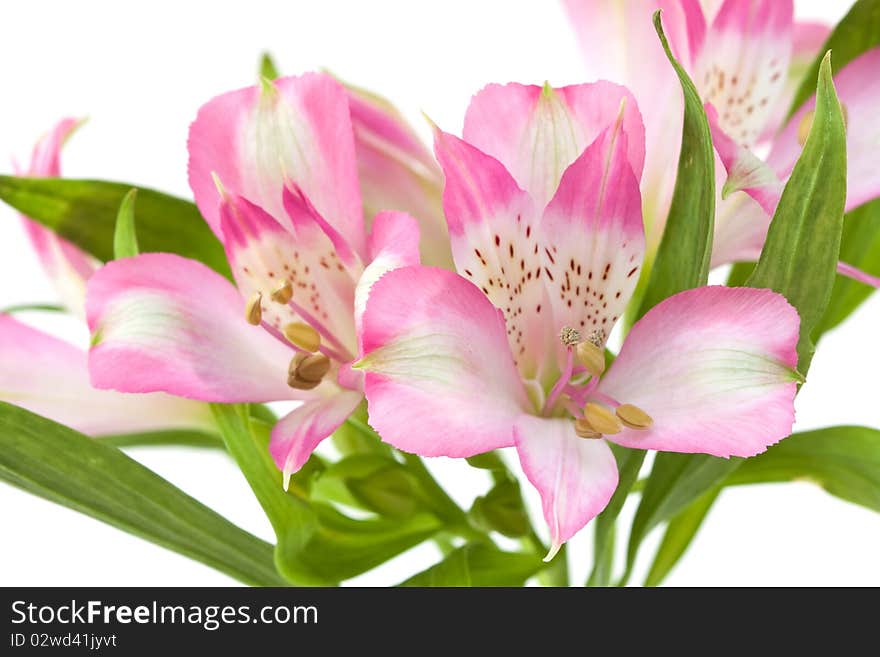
493, 226
538, 132
298, 433
440, 379
393, 243
858, 87
594, 238
575, 476
621, 45
162, 322
66, 265
740, 229
263, 254
294, 127
398, 172
51, 378
742, 70
714, 368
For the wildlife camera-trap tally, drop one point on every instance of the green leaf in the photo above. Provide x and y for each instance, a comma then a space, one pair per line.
679, 533
315, 543
501, 510
61, 465
739, 274
856, 33
629, 463
684, 254
30, 307
845, 461
682, 261
125, 236
479, 565
799, 258
181, 438
372, 482
860, 247
268, 69
85, 211
355, 436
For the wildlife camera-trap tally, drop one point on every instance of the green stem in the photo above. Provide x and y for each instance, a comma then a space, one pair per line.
556, 573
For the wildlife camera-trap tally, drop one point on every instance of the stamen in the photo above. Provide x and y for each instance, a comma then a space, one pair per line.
283, 293
601, 419
564, 378
591, 357
634, 417
569, 336
584, 430
306, 371
303, 336
253, 310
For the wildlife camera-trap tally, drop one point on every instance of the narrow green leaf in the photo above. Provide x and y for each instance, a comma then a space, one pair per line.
125, 235
164, 439
860, 247
845, 461
94, 478
739, 274
683, 258
268, 69
479, 565
372, 482
684, 254
799, 258
629, 463
501, 510
679, 533
856, 33
85, 211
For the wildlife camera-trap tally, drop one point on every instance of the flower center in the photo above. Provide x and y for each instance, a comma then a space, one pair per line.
576, 391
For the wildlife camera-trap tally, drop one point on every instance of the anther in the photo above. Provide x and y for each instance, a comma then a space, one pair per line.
634, 417
306, 370
583, 429
283, 293
253, 310
302, 336
569, 336
591, 357
601, 419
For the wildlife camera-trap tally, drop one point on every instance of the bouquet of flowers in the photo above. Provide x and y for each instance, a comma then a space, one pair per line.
532, 296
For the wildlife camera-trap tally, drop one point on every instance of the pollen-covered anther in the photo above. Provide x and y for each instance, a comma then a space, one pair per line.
306, 370
283, 292
591, 357
584, 430
253, 309
634, 417
601, 419
303, 336
569, 336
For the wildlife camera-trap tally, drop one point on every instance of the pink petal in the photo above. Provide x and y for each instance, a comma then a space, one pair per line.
621, 45
740, 230
393, 243
858, 87
537, 133
398, 172
493, 226
50, 377
575, 477
263, 253
298, 433
742, 70
714, 368
294, 127
440, 379
65, 264
162, 322
594, 238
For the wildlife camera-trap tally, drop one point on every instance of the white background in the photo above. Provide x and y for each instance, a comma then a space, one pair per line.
141, 70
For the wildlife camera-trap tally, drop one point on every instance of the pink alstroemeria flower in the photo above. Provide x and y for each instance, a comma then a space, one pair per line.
542, 199
746, 58
49, 376
274, 172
